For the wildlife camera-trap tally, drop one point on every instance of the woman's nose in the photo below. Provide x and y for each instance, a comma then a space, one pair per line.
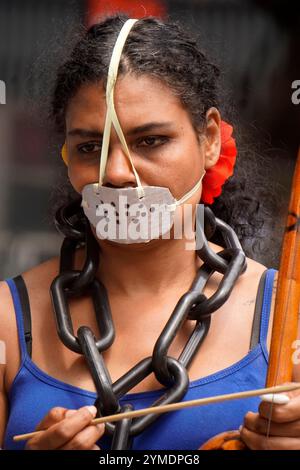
118, 171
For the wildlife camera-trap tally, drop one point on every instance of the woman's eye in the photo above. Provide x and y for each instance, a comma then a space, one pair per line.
152, 141
145, 142
90, 147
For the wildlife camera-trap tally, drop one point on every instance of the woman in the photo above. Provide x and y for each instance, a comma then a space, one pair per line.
165, 100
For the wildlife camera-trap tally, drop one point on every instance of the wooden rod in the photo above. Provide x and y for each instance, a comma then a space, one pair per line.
177, 406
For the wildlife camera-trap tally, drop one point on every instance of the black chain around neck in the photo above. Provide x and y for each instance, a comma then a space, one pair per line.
193, 305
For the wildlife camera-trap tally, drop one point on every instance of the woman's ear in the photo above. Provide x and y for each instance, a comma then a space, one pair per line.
212, 144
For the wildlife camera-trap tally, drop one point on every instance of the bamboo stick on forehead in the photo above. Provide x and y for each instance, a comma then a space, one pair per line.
177, 406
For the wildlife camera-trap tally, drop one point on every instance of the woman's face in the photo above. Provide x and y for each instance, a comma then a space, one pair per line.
165, 148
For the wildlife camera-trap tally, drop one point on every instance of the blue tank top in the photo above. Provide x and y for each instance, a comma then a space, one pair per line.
33, 393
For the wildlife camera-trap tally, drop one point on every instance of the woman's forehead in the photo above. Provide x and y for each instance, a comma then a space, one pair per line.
136, 99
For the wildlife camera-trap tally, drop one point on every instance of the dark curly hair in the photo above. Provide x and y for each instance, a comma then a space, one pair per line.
163, 49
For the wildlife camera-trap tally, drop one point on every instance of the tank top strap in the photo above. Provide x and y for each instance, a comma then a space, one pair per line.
256, 325
266, 308
22, 311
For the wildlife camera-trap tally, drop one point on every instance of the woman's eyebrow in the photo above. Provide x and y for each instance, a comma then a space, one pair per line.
150, 126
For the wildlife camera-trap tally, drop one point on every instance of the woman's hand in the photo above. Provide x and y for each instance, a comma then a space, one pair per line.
284, 427
67, 430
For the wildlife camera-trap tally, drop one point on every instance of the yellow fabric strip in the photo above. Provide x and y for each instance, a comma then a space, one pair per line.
111, 115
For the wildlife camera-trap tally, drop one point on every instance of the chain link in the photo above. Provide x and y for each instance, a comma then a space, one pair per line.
193, 305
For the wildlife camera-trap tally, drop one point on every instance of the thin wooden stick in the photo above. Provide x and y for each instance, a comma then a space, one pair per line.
177, 406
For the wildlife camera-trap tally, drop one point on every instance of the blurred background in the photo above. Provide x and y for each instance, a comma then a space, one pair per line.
256, 42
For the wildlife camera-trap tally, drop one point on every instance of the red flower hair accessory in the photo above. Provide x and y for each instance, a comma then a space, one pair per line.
216, 176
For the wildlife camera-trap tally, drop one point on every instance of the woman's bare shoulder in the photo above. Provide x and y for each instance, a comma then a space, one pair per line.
256, 270
37, 280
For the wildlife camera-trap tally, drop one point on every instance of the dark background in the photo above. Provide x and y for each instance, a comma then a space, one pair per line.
255, 42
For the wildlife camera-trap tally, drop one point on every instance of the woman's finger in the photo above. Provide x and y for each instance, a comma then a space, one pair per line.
254, 422
61, 433
54, 416
282, 413
285, 412
256, 441
85, 440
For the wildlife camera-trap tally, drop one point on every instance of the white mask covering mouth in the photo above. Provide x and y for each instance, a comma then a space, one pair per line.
127, 215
